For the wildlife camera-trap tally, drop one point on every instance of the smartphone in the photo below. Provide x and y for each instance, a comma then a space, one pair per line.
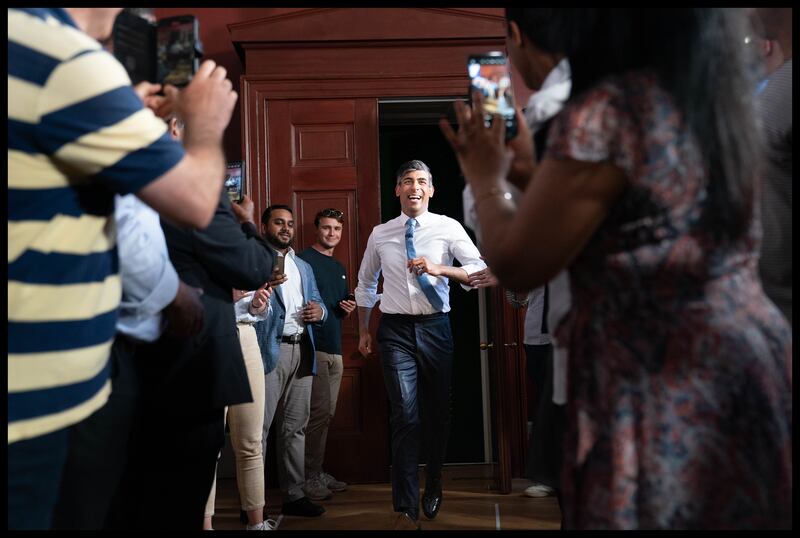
234, 185
166, 52
134, 43
280, 263
490, 74
176, 43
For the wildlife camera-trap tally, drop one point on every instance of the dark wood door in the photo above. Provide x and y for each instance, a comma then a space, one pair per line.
323, 153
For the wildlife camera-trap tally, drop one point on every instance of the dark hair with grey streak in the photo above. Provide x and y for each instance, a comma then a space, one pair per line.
699, 58
413, 165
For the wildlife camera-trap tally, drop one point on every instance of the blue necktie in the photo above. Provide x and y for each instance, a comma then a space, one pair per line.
427, 288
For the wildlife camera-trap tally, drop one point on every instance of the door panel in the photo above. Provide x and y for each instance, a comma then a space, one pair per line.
323, 153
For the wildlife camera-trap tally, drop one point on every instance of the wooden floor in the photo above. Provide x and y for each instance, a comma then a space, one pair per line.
469, 503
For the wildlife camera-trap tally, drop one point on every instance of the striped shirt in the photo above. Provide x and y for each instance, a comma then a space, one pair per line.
77, 134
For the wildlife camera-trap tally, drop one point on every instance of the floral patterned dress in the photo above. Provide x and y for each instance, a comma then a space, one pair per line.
679, 386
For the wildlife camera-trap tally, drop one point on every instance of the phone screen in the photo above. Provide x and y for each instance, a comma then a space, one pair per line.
176, 51
491, 75
234, 185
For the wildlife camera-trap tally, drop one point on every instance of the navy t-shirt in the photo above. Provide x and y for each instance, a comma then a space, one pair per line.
332, 283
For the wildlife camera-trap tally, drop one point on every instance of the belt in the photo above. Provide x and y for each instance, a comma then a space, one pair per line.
416, 318
292, 339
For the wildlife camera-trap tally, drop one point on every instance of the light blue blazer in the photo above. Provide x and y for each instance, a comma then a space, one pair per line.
269, 331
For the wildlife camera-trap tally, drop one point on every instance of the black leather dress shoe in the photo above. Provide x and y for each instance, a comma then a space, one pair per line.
406, 521
432, 499
302, 507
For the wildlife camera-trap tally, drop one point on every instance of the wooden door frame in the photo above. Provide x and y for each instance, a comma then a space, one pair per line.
507, 366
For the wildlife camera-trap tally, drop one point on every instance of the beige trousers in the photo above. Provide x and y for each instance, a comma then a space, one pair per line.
246, 425
324, 393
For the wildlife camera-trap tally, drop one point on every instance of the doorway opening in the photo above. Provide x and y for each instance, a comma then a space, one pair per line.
408, 129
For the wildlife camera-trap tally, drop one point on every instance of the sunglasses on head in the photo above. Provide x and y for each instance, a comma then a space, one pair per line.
332, 213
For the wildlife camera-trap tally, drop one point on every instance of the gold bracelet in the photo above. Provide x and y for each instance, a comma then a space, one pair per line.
493, 192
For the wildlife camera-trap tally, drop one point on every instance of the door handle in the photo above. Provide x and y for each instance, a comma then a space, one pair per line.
484, 345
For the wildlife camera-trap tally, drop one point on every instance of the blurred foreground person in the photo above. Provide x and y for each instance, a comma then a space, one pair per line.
679, 410
77, 134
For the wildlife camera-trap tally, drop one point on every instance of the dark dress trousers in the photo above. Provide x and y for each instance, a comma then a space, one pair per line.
417, 357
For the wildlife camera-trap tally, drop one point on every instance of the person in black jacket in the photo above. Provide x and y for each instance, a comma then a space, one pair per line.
188, 383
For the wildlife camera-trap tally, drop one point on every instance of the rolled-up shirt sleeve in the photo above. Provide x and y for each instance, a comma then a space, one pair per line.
367, 290
464, 250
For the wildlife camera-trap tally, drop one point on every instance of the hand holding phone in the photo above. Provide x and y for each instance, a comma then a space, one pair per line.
278, 277
348, 304
244, 210
490, 74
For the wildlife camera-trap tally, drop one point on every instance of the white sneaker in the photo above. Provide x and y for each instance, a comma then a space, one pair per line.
331, 483
539, 490
266, 525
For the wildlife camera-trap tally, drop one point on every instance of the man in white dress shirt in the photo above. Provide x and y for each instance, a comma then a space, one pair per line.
415, 253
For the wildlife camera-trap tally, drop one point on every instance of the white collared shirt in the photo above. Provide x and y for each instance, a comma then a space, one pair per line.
242, 309
292, 294
438, 238
550, 98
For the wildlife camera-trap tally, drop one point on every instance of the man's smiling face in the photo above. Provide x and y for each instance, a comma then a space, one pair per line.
415, 190
279, 231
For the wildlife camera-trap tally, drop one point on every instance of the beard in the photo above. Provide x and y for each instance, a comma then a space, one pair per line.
275, 242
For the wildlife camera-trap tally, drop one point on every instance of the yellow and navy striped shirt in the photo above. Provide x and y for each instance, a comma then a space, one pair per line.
77, 134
